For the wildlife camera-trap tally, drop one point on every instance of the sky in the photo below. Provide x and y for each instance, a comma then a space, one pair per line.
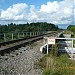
59, 12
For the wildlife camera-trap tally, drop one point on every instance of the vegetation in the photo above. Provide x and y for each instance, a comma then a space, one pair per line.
56, 65
32, 27
6, 30
59, 66
71, 28
67, 32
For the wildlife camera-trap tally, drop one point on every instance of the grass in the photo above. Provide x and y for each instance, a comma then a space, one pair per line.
51, 64
67, 32
59, 66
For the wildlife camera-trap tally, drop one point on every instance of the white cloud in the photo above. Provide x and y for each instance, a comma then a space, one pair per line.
50, 7
14, 12
33, 14
57, 12
61, 12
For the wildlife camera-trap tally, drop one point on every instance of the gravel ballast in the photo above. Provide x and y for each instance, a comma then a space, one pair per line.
21, 61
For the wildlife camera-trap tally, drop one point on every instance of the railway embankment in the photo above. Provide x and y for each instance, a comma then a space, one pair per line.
22, 61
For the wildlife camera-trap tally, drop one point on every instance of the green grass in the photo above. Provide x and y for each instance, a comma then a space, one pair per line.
59, 66
67, 32
51, 64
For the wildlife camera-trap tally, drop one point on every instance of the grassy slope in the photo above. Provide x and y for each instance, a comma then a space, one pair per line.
53, 65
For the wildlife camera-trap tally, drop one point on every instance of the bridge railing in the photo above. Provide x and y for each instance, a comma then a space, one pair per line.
16, 35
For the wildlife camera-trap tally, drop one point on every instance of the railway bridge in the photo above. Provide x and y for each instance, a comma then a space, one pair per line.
18, 56
7, 46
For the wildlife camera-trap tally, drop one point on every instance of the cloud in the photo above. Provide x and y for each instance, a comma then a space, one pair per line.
15, 12
56, 11
33, 13
50, 7
61, 12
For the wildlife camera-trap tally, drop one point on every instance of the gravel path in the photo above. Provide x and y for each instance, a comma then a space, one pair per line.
21, 62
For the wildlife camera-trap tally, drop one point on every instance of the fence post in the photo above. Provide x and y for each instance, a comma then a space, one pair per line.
12, 36
30, 34
37, 33
33, 33
18, 35
23, 34
4, 37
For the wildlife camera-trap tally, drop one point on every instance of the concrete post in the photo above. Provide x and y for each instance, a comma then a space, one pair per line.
23, 34
4, 37
35, 33
18, 35
12, 36
30, 34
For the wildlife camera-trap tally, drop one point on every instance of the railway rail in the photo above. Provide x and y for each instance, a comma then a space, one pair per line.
6, 47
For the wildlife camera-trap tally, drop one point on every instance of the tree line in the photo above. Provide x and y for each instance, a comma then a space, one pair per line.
71, 28
28, 27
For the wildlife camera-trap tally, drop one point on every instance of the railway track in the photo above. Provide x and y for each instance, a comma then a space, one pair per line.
6, 47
